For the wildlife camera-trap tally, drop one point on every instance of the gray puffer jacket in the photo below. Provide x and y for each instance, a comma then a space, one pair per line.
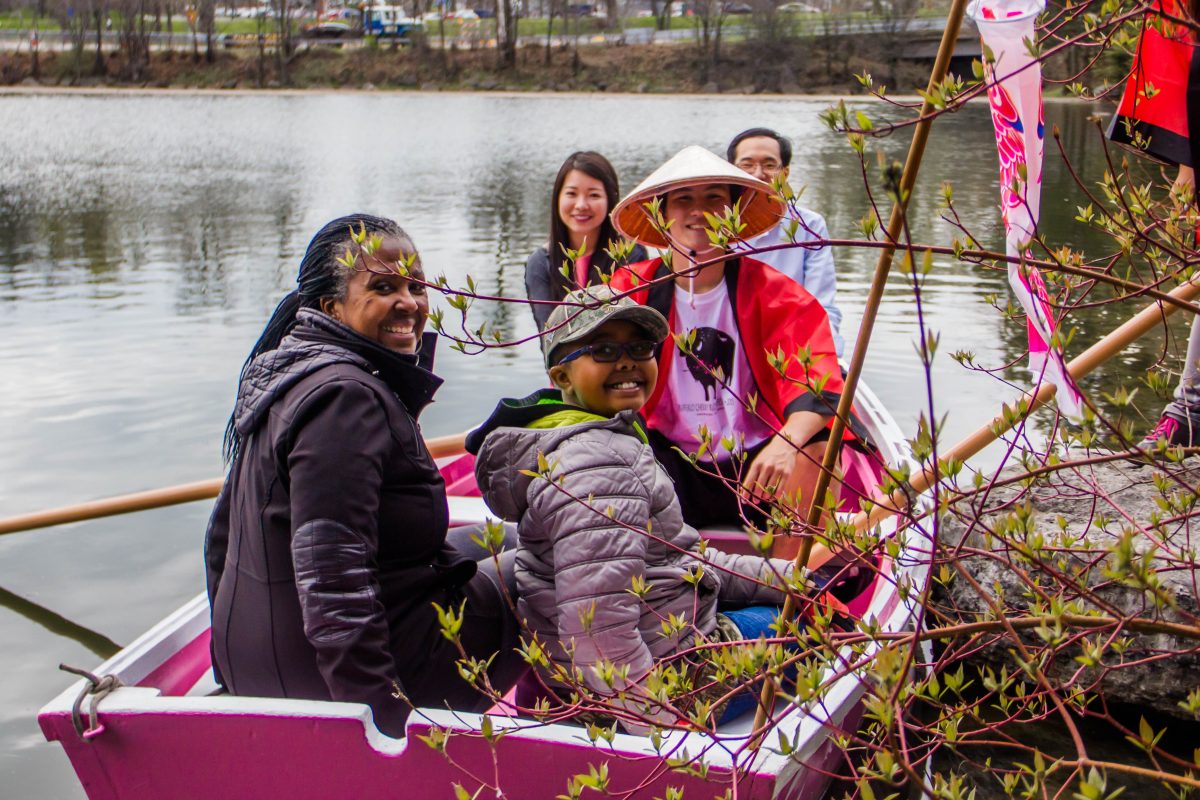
584, 543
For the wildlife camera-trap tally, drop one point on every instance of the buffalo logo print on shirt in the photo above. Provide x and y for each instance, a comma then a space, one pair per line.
712, 350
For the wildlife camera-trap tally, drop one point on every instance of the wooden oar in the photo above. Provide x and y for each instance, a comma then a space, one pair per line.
439, 447
895, 230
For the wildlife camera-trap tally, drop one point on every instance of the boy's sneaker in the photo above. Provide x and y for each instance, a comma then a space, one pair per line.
1176, 432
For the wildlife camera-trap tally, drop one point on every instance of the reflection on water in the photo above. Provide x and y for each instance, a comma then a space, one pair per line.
59, 625
144, 241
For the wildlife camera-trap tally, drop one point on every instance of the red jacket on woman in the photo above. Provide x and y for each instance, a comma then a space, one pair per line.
775, 315
1166, 117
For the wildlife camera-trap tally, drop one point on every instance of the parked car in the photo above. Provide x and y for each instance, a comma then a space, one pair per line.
737, 8
389, 22
799, 8
327, 30
485, 13
581, 9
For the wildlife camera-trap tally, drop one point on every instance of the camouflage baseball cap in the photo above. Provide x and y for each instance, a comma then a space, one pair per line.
585, 310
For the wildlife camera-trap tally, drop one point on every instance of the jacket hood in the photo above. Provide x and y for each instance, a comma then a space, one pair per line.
318, 341
516, 413
505, 447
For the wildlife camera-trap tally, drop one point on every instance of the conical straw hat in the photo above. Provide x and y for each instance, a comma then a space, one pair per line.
695, 166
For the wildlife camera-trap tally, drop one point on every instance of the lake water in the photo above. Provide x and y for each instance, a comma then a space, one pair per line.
145, 238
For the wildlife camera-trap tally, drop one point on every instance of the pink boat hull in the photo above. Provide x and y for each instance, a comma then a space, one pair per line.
203, 756
168, 733
166, 737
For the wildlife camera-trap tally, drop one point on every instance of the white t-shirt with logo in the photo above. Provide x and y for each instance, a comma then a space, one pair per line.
695, 396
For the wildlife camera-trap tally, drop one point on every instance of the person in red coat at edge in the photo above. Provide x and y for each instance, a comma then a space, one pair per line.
1163, 122
735, 311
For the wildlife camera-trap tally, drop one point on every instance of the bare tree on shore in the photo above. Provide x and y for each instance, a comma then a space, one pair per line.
208, 23
133, 38
285, 12
661, 9
99, 12
711, 17
507, 15
612, 15
551, 8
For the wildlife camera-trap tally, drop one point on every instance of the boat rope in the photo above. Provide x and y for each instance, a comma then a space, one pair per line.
98, 688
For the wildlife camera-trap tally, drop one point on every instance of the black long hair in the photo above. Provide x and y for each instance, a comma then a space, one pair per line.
595, 166
320, 276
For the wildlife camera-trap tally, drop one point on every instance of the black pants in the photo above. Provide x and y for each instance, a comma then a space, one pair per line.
708, 499
489, 627
502, 576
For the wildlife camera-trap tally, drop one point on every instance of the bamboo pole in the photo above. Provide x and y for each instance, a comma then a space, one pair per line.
439, 447
883, 266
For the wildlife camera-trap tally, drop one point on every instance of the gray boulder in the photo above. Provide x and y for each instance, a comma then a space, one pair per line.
1114, 540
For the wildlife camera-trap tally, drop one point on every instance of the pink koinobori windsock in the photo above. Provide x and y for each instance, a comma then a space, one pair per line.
1015, 92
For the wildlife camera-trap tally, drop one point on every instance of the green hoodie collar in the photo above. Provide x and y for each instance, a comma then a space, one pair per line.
542, 410
577, 416
568, 416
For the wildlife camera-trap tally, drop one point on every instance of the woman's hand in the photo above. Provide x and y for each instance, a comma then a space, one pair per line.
774, 471
1185, 184
771, 470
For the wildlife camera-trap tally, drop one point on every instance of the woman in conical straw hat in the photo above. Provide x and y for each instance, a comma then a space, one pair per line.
729, 316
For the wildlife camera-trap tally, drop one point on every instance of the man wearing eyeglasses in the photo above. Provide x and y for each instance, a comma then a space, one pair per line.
767, 156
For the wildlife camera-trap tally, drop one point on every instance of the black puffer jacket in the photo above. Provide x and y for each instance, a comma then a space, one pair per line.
327, 543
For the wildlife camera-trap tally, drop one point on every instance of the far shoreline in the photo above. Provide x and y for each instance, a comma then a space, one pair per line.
770, 71
506, 93
203, 91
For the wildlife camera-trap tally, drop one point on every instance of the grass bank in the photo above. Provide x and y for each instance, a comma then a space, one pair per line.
526, 26
743, 67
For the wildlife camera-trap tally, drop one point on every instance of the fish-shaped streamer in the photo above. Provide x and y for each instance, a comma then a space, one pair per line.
1014, 79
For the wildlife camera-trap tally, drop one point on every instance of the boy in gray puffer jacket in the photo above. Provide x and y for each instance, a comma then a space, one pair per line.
605, 557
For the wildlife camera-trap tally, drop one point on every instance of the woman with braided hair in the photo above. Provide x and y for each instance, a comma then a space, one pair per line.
328, 546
